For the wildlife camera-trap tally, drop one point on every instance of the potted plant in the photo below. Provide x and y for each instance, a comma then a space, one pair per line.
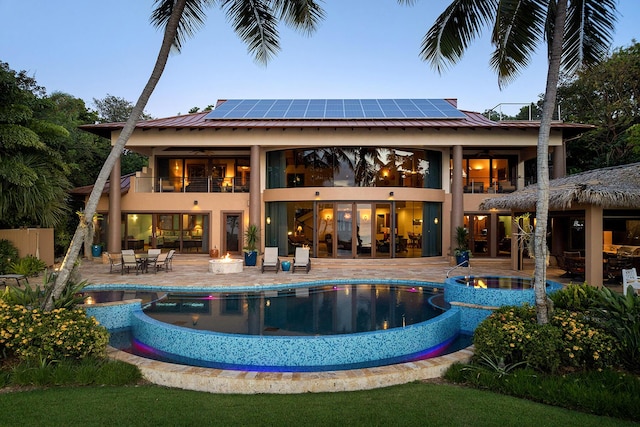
251, 239
462, 251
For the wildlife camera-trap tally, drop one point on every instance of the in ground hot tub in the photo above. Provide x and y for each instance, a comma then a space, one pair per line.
478, 296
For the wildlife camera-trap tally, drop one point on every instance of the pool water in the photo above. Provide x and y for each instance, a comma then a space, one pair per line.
496, 282
319, 310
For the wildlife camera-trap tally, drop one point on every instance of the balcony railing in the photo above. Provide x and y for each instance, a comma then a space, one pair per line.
191, 185
487, 186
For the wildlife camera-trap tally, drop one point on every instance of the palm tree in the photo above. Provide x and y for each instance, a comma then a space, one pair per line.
255, 22
577, 34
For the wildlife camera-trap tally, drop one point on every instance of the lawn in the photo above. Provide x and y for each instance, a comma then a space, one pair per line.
415, 404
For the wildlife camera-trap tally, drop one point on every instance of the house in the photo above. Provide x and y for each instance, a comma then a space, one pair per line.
353, 178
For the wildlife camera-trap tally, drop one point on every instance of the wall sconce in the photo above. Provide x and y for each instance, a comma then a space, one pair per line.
435, 220
317, 193
195, 203
391, 193
268, 220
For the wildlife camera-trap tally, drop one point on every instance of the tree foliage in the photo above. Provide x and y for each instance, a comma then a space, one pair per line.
33, 174
607, 96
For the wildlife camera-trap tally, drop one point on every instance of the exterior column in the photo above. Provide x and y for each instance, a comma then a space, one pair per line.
115, 212
457, 199
593, 219
254, 186
559, 161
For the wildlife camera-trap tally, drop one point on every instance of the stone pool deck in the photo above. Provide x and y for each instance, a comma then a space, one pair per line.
192, 270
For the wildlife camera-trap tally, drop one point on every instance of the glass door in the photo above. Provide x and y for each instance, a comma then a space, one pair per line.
364, 234
344, 230
232, 233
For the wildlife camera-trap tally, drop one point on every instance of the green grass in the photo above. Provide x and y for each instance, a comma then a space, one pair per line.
415, 404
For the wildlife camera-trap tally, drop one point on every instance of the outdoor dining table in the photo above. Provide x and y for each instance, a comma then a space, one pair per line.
144, 260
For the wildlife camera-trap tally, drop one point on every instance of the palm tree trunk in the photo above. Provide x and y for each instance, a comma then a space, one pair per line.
90, 209
542, 204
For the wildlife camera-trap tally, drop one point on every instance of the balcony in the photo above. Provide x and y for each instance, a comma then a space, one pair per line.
191, 185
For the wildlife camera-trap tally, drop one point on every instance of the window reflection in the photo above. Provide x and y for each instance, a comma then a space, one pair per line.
353, 167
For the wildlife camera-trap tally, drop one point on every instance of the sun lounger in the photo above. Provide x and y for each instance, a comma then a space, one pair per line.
270, 260
16, 277
301, 260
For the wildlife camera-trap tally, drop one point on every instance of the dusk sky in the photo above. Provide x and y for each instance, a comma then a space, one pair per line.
363, 49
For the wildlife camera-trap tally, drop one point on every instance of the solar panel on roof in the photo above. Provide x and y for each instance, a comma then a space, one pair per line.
335, 108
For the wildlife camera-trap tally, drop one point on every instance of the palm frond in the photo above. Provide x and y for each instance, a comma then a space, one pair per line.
519, 27
448, 38
255, 23
302, 15
588, 30
192, 19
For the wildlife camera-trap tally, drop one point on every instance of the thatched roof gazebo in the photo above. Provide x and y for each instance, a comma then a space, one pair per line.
610, 188
616, 187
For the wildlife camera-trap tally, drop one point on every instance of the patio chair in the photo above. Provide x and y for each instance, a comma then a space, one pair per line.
128, 252
301, 260
153, 253
130, 261
615, 266
160, 263
169, 260
630, 279
270, 260
574, 264
114, 262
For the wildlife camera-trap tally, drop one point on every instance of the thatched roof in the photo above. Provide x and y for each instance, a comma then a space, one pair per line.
610, 188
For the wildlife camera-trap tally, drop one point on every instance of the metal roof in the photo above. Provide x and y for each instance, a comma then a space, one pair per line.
468, 119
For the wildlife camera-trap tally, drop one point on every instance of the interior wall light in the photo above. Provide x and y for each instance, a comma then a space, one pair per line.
435, 220
268, 220
195, 202
317, 193
391, 193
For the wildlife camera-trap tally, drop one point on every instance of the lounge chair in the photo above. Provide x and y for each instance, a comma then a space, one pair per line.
16, 277
301, 260
160, 263
630, 279
114, 261
130, 261
270, 260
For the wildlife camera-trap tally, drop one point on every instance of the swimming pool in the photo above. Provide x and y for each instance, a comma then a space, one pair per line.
394, 334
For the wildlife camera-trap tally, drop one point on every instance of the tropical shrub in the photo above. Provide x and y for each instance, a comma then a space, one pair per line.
32, 334
568, 341
576, 297
8, 254
621, 317
35, 296
584, 344
27, 266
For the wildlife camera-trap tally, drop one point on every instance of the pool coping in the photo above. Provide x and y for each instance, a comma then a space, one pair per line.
254, 382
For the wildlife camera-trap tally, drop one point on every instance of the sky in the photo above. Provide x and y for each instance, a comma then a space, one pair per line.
362, 49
